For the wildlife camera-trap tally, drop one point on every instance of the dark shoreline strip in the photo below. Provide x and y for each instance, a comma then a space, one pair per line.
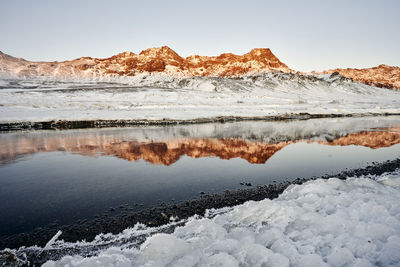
160, 215
65, 124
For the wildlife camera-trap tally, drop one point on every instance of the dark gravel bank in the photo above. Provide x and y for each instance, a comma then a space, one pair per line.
85, 229
65, 124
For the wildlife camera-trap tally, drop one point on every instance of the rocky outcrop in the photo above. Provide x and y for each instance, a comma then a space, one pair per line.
380, 76
256, 61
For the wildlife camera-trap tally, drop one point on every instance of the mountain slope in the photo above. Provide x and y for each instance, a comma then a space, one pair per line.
380, 76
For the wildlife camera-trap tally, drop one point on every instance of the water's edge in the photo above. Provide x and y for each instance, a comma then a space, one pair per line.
82, 124
157, 216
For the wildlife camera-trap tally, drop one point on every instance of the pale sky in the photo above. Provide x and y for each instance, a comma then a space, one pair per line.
306, 35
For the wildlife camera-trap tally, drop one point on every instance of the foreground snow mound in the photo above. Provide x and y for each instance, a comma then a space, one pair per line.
320, 223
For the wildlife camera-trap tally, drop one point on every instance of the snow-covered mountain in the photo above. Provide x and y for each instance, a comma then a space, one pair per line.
159, 85
152, 60
163, 60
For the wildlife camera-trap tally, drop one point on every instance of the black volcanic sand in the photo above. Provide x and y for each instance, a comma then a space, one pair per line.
157, 216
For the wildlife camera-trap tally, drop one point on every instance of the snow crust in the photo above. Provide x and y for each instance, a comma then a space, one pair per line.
353, 222
157, 97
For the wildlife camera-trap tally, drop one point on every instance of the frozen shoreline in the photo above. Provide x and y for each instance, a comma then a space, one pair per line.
320, 223
126, 245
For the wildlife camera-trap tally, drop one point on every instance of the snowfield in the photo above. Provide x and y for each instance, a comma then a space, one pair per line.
158, 97
353, 222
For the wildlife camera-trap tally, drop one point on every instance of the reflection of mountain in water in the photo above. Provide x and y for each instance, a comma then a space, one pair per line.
169, 152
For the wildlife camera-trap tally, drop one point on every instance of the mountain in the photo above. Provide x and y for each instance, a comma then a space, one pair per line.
381, 76
164, 60
152, 60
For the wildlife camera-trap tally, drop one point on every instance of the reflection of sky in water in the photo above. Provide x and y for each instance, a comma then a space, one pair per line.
67, 187
304, 160
62, 187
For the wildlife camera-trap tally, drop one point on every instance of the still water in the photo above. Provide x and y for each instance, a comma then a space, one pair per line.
60, 177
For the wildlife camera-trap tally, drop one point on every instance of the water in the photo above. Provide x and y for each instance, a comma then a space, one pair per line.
60, 177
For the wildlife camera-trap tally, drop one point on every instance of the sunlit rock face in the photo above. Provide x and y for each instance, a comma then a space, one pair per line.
152, 60
256, 61
170, 151
380, 76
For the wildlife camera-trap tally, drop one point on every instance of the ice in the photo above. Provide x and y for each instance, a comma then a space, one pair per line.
340, 257
52, 240
157, 97
353, 222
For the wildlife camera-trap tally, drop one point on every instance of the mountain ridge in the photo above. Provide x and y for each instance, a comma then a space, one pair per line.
152, 60
164, 60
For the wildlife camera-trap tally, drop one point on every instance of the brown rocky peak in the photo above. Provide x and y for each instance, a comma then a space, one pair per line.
126, 54
4, 57
384, 66
163, 51
266, 56
159, 59
257, 60
261, 52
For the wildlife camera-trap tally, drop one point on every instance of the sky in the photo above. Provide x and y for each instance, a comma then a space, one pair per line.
306, 35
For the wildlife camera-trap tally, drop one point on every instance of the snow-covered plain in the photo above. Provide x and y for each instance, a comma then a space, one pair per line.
157, 97
353, 222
